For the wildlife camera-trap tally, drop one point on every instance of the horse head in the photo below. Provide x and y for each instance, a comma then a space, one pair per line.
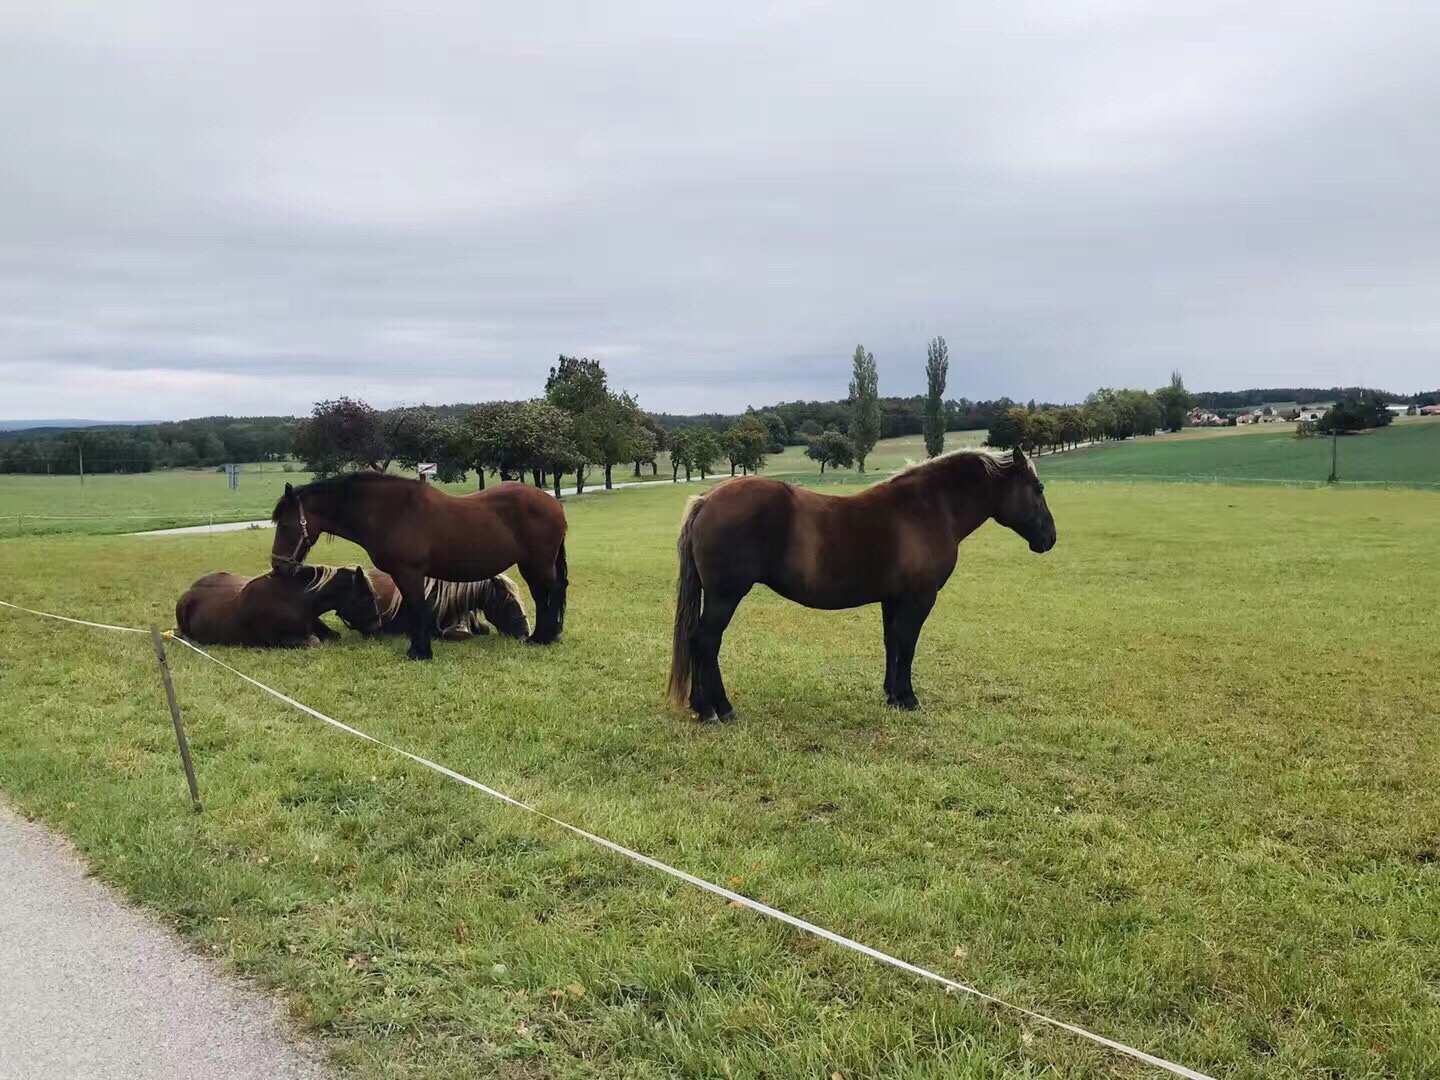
294, 536
357, 604
1021, 506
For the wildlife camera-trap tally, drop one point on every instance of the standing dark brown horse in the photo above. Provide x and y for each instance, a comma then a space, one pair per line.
413, 531
894, 544
274, 610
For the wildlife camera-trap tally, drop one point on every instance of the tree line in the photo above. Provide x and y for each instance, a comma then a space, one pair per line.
1232, 400
1105, 414
209, 441
578, 424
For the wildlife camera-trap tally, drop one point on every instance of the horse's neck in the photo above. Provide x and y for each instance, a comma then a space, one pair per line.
324, 518
965, 499
324, 596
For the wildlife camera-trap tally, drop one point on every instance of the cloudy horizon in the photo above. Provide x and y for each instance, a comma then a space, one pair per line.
243, 208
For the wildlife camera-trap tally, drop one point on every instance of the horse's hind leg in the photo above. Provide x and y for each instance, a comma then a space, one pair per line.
540, 595
548, 586
719, 609
910, 616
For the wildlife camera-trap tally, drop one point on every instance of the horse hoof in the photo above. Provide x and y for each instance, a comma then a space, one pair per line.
727, 717
706, 717
414, 654
908, 702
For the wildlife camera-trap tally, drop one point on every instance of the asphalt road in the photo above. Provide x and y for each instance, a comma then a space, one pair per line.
93, 988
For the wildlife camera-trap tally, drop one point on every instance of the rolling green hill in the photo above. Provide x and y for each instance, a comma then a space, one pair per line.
1406, 453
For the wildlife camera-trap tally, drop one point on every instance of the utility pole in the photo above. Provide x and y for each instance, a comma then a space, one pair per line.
80, 445
1334, 451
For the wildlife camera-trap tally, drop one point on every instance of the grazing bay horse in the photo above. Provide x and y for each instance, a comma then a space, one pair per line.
413, 531
894, 544
456, 607
274, 610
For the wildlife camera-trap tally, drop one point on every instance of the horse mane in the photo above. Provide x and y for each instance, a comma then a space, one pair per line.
323, 576
340, 488
395, 601
449, 601
990, 464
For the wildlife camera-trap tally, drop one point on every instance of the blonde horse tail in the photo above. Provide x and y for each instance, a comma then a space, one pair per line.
688, 594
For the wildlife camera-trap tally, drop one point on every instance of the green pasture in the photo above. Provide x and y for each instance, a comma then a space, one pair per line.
1406, 453
1174, 781
131, 502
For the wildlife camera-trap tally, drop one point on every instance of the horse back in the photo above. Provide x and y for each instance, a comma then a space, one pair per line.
476, 536
209, 603
824, 551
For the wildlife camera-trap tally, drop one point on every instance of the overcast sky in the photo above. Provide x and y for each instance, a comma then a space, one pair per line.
241, 207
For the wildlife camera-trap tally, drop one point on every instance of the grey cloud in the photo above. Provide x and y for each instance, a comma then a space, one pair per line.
246, 206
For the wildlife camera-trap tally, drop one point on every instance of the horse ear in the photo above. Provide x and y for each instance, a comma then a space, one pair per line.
1018, 457
289, 491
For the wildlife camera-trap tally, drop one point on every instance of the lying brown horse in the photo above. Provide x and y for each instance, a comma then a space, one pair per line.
456, 607
413, 531
273, 610
894, 544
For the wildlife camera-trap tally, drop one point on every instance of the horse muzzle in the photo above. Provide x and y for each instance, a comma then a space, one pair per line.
1043, 541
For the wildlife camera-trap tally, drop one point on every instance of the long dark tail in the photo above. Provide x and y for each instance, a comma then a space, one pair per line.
562, 585
688, 594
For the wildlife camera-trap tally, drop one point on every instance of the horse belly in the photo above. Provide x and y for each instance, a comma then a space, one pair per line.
831, 595
474, 568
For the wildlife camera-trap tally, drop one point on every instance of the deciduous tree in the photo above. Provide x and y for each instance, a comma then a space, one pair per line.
832, 449
341, 434
745, 443
1174, 402
1010, 429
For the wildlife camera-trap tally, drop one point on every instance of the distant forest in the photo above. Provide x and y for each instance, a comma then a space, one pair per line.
209, 442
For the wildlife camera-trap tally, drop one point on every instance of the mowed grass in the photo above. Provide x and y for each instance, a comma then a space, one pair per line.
1174, 781
132, 502
1405, 453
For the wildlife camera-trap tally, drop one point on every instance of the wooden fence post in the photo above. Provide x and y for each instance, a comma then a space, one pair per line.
159, 643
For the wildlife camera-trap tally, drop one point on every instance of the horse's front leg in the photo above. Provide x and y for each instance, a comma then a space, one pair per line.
320, 630
910, 617
411, 583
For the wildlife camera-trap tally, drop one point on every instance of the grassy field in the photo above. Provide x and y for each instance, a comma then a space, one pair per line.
131, 502
1173, 781
1405, 453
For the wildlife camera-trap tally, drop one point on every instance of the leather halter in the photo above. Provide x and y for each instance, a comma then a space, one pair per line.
294, 558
